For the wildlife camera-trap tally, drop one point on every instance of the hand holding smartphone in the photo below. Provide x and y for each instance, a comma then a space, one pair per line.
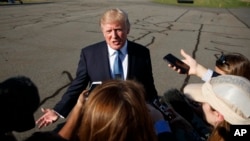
184, 68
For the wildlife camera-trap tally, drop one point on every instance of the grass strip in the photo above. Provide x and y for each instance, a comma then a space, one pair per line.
209, 3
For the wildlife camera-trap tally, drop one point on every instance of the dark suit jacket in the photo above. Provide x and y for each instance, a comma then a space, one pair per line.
94, 66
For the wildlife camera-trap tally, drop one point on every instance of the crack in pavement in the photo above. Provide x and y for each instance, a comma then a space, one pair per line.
239, 19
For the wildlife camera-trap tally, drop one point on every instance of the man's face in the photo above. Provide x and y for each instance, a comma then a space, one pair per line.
115, 34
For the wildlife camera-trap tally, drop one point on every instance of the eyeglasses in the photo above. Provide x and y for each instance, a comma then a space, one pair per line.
221, 60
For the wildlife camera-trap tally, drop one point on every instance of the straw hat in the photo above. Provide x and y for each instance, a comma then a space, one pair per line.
227, 94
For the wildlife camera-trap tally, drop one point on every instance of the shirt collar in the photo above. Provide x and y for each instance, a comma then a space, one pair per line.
123, 49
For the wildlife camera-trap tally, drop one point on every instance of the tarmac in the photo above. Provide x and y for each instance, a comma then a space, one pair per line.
42, 40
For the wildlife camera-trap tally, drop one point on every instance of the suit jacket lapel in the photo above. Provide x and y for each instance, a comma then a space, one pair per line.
104, 60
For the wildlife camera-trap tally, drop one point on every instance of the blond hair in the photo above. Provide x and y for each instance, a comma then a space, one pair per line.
115, 15
221, 132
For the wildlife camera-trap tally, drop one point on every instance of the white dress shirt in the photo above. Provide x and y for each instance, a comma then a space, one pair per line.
124, 59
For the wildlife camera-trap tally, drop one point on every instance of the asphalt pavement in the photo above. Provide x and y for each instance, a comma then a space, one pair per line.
42, 40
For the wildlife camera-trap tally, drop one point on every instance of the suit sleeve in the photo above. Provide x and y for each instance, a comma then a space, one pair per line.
68, 100
141, 69
149, 81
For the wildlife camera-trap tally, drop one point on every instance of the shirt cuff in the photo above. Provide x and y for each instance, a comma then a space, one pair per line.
207, 76
162, 126
59, 114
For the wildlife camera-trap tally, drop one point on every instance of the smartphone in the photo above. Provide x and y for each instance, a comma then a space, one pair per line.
184, 68
93, 85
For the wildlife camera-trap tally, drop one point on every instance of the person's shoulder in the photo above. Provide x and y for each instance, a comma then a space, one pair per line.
135, 48
46, 135
94, 49
95, 46
137, 45
7, 137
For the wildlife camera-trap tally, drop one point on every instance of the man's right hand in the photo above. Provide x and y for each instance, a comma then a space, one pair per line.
49, 117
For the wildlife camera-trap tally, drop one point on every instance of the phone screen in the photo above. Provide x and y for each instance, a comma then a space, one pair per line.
177, 63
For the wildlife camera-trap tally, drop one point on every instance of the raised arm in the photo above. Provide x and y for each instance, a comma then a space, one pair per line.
195, 68
68, 130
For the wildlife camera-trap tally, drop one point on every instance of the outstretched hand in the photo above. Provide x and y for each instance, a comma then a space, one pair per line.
191, 62
49, 117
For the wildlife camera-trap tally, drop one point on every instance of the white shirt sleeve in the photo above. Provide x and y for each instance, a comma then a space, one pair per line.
59, 114
208, 75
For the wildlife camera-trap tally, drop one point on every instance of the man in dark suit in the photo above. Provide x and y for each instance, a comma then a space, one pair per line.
97, 61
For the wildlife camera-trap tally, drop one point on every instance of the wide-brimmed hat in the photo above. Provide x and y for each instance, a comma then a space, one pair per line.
227, 94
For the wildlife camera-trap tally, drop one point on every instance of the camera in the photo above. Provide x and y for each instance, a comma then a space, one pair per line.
163, 108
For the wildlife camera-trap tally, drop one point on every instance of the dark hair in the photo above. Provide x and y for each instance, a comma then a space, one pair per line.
19, 99
234, 64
